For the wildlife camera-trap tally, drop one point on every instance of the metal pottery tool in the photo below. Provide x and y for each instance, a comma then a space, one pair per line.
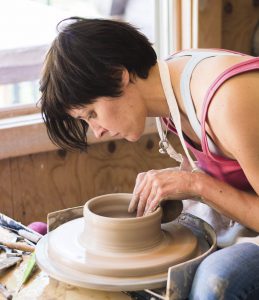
19, 229
7, 262
24, 234
18, 239
10, 257
10, 252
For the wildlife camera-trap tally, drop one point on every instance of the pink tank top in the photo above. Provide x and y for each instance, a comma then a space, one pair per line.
220, 167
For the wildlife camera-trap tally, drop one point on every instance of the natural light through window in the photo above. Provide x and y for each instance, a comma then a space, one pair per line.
24, 45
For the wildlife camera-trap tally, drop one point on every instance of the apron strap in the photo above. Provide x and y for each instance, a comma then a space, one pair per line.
164, 144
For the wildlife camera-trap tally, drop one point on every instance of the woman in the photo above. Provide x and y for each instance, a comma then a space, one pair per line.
105, 74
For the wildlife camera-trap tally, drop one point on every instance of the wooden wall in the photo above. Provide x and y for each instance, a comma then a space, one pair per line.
210, 24
228, 24
239, 19
33, 185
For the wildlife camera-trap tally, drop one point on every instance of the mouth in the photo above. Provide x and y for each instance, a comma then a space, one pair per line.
114, 134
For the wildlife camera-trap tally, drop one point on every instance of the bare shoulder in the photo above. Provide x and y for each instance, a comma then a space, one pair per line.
237, 101
207, 71
233, 119
233, 115
233, 103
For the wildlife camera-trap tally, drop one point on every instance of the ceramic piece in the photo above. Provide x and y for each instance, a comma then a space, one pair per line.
171, 209
110, 249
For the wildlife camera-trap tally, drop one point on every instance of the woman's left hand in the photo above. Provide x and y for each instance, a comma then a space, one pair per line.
155, 185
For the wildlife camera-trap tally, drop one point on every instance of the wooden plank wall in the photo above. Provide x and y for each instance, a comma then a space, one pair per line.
228, 24
239, 19
33, 185
210, 24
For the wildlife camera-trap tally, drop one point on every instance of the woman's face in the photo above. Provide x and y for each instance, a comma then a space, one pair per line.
122, 116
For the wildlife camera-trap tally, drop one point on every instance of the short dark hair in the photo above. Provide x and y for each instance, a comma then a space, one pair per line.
84, 62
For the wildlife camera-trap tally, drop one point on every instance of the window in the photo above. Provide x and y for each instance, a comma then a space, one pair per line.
24, 44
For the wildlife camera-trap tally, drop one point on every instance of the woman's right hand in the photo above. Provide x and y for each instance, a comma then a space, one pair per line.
156, 185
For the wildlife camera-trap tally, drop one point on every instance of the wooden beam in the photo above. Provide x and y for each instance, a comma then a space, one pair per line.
209, 24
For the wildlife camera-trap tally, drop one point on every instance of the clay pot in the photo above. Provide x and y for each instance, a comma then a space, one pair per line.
109, 227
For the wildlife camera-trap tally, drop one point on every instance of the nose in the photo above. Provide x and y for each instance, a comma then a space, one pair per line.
98, 130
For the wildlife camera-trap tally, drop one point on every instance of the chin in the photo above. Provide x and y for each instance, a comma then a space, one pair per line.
132, 138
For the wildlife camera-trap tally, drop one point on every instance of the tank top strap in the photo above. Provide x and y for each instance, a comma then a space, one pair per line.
186, 91
246, 66
195, 58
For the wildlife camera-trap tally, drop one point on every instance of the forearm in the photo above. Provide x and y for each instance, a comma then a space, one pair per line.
238, 205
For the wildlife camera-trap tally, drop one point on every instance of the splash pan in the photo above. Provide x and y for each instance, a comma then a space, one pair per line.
110, 249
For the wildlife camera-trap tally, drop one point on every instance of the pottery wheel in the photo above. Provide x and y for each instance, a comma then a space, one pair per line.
61, 255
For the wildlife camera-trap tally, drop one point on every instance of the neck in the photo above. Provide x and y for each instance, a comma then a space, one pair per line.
153, 94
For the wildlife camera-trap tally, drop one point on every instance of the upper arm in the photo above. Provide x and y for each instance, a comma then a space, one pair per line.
234, 120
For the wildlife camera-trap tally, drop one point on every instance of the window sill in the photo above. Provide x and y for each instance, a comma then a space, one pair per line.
23, 135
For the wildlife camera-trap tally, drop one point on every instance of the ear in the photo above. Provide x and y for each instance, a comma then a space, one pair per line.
125, 77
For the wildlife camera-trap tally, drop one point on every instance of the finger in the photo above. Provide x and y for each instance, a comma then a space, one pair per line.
143, 199
151, 197
154, 204
144, 191
144, 196
133, 203
135, 198
141, 205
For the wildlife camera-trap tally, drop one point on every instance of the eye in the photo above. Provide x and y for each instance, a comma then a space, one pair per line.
91, 115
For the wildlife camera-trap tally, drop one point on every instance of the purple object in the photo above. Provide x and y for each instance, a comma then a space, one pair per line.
39, 227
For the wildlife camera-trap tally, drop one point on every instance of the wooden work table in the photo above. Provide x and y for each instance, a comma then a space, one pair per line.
42, 287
